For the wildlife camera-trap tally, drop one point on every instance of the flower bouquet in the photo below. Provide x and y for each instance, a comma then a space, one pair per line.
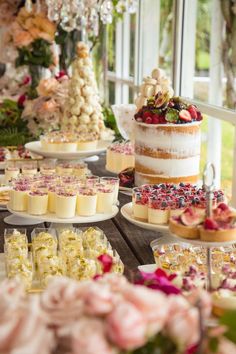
109, 315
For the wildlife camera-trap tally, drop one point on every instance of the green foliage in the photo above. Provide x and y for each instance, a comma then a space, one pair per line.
13, 137
213, 344
157, 345
67, 42
110, 122
38, 54
229, 320
10, 115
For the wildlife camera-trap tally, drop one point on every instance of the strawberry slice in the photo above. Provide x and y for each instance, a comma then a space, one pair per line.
210, 224
185, 116
193, 111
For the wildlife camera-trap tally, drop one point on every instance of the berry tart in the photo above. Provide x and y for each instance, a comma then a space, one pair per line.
221, 227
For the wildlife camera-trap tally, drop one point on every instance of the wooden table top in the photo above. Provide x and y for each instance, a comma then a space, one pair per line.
131, 242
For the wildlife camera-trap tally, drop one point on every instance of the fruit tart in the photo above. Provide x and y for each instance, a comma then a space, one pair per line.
187, 224
221, 227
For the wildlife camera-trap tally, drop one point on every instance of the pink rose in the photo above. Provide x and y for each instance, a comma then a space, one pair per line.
61, 301
116, 282
20, 319
226, 347
47, 87
89, 338
177, 304
98, 299
201, 299
183, 328
126, 326
152, 304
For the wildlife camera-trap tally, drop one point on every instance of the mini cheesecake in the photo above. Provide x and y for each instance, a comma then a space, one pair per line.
158, 210
11, 173
65, 204
105, 199
37, 202
86, 202
19, 197
140, 206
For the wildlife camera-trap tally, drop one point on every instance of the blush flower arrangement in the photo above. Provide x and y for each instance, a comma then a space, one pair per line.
44, 113
109, 315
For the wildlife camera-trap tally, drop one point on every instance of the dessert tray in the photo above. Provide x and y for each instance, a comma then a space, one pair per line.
35, 147
50, 217
127, 213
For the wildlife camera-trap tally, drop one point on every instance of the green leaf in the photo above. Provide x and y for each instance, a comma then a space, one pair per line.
229, 320
213, 344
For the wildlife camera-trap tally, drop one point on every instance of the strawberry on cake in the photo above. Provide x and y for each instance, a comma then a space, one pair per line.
167, 141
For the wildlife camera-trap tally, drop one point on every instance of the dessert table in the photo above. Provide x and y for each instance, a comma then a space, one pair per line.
131, 242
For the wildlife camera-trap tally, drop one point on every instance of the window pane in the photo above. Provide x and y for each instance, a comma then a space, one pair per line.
132, 43
111, 92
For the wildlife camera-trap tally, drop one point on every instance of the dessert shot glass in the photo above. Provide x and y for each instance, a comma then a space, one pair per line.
113, 181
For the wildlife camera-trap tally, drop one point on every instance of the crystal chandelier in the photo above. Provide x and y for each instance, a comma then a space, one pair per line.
84, 15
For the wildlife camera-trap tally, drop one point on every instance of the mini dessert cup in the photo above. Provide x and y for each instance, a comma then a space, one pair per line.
140, 206
47, 169
92, 181
19, 197
29, 169
80, 169
112, 181
158, 210
16, 243
20, 269
105, 198
65, 203
11, 173
38, 202
65, 169
70, 236
92, 236
86, 201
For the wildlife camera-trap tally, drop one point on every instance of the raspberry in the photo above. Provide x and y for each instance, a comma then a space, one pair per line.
210, 224
155, 119
223, 206
148, 120
147, 114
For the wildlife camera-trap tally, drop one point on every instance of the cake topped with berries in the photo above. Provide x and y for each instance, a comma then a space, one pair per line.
167, 140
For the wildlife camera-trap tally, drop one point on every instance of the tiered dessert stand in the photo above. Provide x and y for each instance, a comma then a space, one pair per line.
209, 185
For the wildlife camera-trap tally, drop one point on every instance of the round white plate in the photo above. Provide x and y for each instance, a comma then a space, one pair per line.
202, 243
20, 221
35, 146
76, 220
126, 211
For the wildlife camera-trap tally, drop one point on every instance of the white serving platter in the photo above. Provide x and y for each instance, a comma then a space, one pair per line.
126, 211
35, 147
50, 217
202, 243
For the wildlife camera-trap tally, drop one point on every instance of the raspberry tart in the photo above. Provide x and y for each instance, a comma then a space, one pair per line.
187, 224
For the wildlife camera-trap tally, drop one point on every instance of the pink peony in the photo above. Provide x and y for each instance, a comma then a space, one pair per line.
126, 326
61, 301
183, 328
98, 299
117, 282
89, 337
152, 304
202, 300
47, 87
226, 347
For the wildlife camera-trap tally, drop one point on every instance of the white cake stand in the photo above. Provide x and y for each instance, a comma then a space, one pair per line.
127, 212
35, 147
24, 218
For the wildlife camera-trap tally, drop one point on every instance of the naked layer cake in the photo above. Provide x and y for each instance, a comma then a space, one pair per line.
167, 140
